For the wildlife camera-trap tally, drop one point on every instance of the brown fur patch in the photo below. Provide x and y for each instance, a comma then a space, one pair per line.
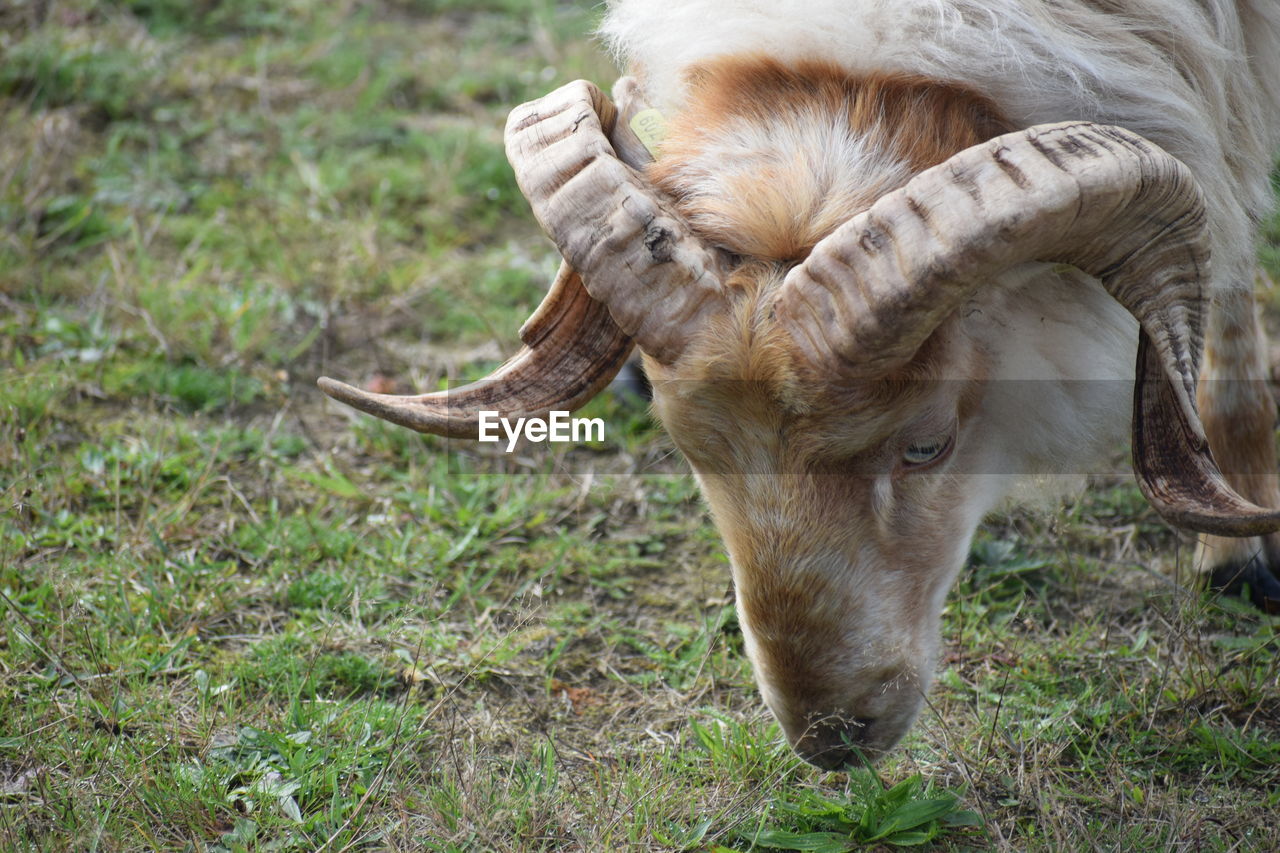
773, 198
923, 120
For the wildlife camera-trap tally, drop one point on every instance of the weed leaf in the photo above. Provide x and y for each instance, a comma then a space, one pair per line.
815, 842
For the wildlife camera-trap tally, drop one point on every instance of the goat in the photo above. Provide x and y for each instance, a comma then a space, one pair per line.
865, 221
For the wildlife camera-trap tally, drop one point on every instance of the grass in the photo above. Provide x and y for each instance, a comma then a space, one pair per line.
236, 617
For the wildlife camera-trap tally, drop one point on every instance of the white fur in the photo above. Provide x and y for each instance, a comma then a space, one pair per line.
826, 172
1058, 400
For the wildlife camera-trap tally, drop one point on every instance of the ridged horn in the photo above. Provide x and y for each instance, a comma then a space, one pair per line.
572, 349
1097, 197
635, 252
1175, 471
573, 346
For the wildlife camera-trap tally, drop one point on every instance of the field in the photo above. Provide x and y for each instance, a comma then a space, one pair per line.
235, 616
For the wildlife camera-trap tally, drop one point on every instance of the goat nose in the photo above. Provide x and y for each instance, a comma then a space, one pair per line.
834, 743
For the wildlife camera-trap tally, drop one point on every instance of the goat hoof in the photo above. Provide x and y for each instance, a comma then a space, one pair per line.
1256, 576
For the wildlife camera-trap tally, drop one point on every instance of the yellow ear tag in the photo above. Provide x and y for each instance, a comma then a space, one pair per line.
649, 127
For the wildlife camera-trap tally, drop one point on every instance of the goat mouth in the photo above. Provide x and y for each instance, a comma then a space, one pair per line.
848, 736
840, 742
837, 743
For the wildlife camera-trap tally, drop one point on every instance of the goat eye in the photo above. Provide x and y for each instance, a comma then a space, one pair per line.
924, 452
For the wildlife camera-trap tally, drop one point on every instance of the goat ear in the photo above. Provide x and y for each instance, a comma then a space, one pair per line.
1173, 464
629, 98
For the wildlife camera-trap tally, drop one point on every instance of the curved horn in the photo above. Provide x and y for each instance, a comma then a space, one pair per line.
573, 346
1097, 197
1175, 471
572, 349
635, 252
